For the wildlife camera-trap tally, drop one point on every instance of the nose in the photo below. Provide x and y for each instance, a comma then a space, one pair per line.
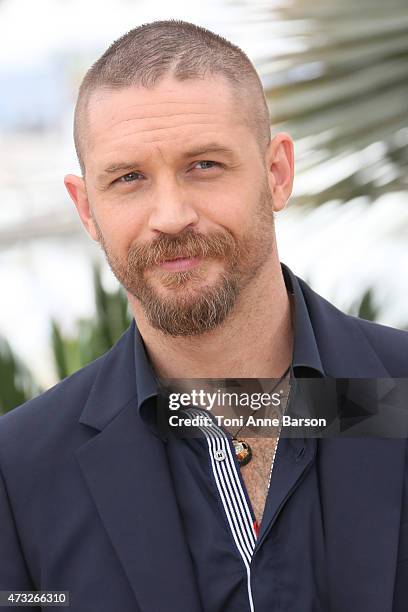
171, 212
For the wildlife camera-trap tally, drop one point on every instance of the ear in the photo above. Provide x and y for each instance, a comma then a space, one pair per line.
280, 168
76, 188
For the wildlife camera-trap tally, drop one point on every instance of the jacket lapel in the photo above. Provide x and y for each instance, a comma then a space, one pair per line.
361, 479
126, 470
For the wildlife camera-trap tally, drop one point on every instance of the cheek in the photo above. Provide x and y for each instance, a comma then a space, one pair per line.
234, 211
119, 225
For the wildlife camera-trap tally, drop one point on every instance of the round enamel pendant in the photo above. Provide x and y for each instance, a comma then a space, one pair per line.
243, 451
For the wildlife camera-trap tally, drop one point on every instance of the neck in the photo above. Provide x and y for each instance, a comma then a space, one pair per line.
255, 340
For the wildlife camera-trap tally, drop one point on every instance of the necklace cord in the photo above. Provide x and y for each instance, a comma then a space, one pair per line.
281, 379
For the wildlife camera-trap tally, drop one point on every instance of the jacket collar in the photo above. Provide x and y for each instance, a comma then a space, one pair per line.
115, 383
344, 349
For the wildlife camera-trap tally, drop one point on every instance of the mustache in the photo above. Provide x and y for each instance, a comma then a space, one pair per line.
188, 244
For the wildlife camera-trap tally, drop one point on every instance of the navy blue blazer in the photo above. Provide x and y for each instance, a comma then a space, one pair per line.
87, 504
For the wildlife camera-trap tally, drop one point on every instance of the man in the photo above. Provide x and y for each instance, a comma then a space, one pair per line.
180, 181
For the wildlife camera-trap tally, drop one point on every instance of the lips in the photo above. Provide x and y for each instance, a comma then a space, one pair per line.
180, 264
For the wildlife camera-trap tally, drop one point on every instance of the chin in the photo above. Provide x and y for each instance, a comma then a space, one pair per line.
189, 281
182, 288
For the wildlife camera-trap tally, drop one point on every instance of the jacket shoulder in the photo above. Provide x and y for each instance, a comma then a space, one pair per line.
390, 343
51, 414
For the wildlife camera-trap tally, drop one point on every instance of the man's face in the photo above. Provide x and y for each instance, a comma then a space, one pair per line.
178, 198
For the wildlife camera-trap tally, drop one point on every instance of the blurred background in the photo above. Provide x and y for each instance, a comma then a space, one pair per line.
336, 77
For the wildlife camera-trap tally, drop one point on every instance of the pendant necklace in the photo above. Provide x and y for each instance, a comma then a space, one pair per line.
243, 450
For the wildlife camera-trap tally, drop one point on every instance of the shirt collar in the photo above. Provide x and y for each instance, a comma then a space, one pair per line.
305, 350
306, 359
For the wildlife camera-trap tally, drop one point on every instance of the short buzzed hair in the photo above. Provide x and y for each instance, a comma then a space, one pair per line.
183, 50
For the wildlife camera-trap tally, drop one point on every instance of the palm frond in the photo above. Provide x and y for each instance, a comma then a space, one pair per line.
16, 382
341, 90
94, 336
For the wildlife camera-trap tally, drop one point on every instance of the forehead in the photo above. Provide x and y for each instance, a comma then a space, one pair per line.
170, 116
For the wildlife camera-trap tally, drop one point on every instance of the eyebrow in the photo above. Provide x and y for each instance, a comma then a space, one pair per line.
202, 150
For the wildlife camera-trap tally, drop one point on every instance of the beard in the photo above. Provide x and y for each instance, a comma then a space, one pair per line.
185, 304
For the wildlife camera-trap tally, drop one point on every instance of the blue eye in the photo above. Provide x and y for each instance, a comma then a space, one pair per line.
206, 162
129, 178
